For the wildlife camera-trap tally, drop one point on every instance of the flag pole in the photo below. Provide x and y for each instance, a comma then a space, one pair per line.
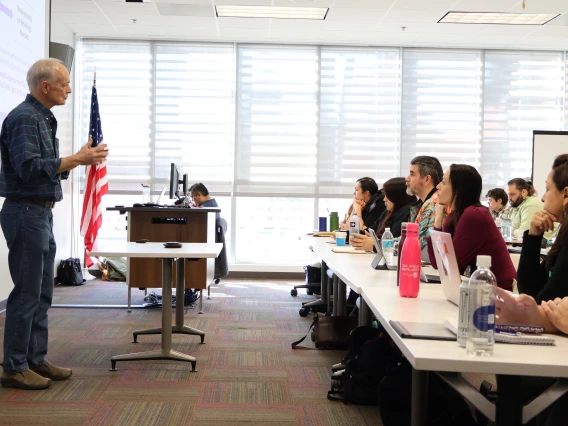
86, 274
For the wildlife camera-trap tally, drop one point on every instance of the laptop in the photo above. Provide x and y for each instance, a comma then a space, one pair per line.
447, 265
161, 195
379, 260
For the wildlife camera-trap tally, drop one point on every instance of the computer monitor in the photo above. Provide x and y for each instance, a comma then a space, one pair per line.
174, 181
185, 183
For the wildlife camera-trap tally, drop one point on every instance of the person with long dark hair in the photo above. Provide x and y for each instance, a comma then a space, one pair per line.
547, 280
368, 202
543, 300
397, 203
470, 224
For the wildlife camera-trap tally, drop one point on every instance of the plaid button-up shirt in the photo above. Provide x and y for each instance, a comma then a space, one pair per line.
30, 153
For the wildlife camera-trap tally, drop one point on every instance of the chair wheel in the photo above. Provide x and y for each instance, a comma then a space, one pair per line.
293, 292
313, 336
304, 312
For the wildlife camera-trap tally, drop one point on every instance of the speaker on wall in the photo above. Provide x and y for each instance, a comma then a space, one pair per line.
62, 52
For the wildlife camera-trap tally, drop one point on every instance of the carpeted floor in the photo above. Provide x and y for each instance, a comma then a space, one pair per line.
247, 372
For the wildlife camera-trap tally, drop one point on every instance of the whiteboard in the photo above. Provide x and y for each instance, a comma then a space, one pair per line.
547, 146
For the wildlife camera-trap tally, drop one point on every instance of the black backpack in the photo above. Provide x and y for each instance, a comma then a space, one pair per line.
69, 272
364, 370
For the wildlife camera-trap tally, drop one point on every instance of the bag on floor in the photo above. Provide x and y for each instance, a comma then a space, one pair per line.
329, 332
69, 272
359, 382
446, 407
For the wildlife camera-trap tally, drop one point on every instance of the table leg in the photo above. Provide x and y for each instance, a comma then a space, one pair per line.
166, 352
419, 397
509, 409
365, 314
341, 297
179, 327
335, 302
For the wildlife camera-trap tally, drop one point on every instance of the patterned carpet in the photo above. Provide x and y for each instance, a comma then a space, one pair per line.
247, 372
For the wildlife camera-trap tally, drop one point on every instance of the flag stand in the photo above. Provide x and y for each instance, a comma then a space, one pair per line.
86, 274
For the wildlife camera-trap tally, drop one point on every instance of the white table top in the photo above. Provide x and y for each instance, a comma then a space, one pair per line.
353, 269
435, 355
157, 250
378, 288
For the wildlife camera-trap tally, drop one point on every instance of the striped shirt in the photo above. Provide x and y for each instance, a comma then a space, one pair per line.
30, 153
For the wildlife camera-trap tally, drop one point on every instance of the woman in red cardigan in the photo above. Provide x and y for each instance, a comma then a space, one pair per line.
471, 224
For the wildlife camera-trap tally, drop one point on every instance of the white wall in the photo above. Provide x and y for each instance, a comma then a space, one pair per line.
60, 33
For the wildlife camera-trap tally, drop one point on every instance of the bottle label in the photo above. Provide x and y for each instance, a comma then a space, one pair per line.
484, 318
410, 270
388, 244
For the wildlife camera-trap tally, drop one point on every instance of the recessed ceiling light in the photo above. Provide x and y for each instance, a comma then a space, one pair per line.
271, 12
497, 18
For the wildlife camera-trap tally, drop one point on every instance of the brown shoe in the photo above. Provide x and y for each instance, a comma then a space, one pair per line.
52, 372
26, 379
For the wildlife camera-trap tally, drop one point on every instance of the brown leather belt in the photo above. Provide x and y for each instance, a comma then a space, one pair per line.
44, 203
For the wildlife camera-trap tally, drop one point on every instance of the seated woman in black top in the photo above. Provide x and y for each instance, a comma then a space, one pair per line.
397, 203
368, 203
549, 279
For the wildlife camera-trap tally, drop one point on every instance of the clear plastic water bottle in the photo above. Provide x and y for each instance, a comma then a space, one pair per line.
481, 310
354, 224
387, 242
463, 318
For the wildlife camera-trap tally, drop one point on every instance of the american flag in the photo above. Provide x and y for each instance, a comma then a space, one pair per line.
96, 184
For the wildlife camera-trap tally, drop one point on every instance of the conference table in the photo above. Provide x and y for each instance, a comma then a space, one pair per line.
187, 252
380, 294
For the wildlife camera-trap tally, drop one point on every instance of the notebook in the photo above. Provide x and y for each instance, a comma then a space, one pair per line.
422, 330
346, 249
323, 234
513, 338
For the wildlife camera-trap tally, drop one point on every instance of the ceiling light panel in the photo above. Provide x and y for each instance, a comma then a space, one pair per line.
234, 11
497, 18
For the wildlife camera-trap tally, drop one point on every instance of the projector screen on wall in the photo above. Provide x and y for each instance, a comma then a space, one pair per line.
547, 145
23, 40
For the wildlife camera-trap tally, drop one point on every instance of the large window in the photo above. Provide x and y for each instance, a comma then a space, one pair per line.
279, 134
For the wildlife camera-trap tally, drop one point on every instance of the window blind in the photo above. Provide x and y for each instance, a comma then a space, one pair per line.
523, 91
359, 121
441, 106
276, 120
124, 90
195, 87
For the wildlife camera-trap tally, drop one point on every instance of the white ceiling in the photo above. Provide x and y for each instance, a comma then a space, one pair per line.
353, 22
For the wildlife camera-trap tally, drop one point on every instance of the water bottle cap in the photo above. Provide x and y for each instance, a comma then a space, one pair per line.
387, 229
333, 214
484, 261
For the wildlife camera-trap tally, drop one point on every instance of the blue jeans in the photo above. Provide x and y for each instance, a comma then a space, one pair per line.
28, 229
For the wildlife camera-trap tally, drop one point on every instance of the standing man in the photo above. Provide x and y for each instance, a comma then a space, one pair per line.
424, 176
30, 180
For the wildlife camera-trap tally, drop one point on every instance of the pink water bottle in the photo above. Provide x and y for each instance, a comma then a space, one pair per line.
410, 263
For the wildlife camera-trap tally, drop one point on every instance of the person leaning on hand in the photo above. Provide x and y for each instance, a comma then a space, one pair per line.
547, 280
30, 180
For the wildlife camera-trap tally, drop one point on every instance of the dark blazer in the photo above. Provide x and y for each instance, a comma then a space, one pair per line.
374, 208
532, 277
395, 222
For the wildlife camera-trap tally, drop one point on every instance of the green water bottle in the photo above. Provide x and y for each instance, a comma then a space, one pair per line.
333, 222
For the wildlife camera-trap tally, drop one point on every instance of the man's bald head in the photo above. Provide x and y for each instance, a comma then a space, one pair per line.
49, 80
43, 70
